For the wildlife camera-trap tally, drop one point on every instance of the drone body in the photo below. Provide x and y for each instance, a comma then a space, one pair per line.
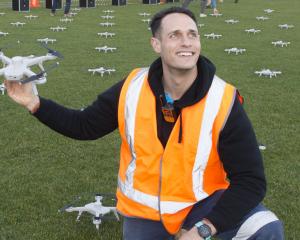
267, 73
213, 35
2, 13
101, 70
46, 40
280, 43
31, 17
3, 34
108, 11
268, 10
216, 14
17, 24
252, 30
107, 24
107, 17
18, 68
285, 26
148, 20
58, 28
2, 88
231, 21
235, 50
144, 14
262, 18
96, 209
105, 49
66, 20
106, 34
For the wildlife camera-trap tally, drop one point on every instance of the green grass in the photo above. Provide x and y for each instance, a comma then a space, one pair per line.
41, 171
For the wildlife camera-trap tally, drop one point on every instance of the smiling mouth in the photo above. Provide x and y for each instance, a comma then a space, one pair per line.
185, 54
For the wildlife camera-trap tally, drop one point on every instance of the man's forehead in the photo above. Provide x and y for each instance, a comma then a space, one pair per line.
178, 21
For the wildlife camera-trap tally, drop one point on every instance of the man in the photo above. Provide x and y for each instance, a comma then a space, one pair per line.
54, 7
190, 165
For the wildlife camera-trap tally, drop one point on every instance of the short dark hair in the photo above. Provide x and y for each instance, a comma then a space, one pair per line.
157, 18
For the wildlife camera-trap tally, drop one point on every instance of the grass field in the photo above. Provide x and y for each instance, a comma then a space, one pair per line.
41, 171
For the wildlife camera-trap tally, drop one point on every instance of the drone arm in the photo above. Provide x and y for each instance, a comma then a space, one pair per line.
5, 59
39, 60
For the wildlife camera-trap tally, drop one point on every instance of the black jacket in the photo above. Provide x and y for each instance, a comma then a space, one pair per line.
237, 147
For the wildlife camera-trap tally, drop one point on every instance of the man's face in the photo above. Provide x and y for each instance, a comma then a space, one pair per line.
178, 42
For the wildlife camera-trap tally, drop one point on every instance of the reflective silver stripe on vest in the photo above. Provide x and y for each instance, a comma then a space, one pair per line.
132, 97
212, 106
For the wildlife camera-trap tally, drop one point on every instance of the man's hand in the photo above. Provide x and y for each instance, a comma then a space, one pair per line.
23, 94
190, 235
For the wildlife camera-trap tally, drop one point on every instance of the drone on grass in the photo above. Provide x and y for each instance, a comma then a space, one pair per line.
58, 28
262, 18
17, 68
17, 24
269, 10
267, 73
105, 49
285, 26
46, 40
4, 34
106, 34
2, 13
107, 24
2, 88
231, 21
95, 208
101, 70
107, 17
280, 43
235, 50
252, 30
31, 16
213, 35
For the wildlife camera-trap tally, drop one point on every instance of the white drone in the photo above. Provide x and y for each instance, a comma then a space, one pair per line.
216, 14
106, 34
231, 21
105, 49
285, 26
66, 20
3, 34
262, 18
267, 73
213, 35
2, 88
107, 24
252, 30
235, 50
72, 14
17, 24
31, 16
200, 25
46, 40
280, 43
2, 13
18, 68
95, 208
144, 14
107, 17
76, 9
269, 10
101, 70
148, 20
108, 11
58, 28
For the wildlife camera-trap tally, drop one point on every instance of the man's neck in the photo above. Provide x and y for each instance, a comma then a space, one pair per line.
177, 83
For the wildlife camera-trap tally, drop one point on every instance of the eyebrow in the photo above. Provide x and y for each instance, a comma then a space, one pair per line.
178, 31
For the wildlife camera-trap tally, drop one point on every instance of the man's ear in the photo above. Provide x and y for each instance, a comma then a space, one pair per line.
155, 43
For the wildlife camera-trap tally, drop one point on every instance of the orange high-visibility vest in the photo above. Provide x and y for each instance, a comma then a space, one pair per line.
160, 183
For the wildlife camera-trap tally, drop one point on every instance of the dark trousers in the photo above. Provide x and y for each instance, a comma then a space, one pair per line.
271, 228
67, 6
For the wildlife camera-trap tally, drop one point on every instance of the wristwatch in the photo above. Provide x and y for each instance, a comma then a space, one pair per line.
204, 230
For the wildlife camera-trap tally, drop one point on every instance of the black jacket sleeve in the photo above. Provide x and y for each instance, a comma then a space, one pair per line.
239, 152
92, 122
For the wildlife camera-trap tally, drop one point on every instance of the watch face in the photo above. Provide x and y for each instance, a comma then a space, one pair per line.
204, 231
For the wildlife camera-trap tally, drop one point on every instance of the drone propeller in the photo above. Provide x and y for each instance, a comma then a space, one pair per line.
39, 75
51, 51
